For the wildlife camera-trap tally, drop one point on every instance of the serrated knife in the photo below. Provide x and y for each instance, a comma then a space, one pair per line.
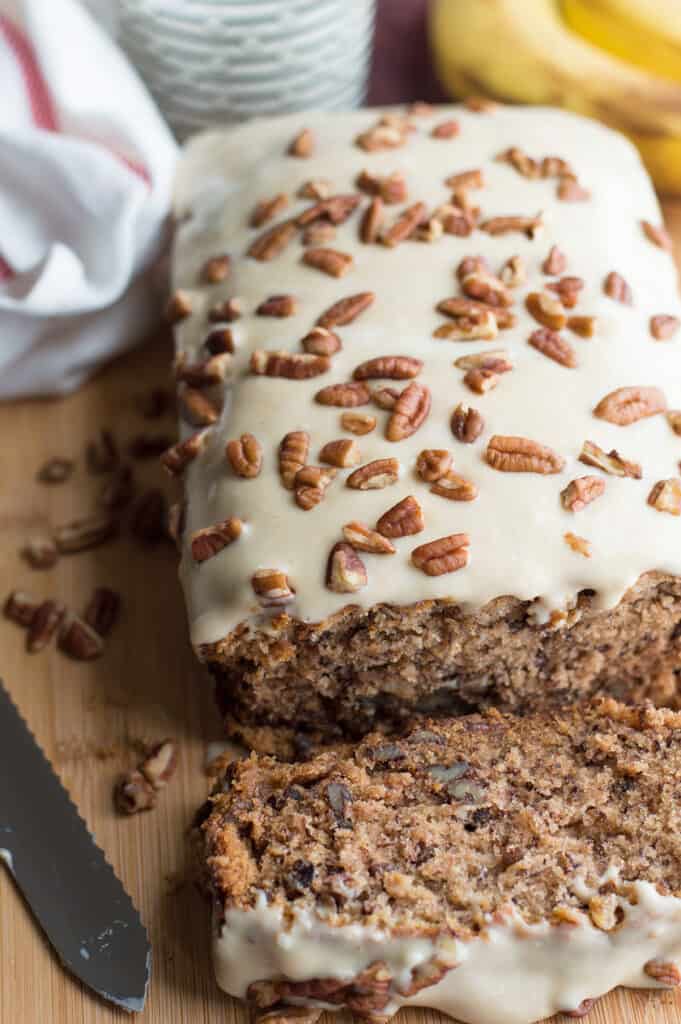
82, 907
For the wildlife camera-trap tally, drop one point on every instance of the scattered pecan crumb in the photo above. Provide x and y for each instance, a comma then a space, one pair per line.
345, 571
615, 287
293, 452
584, 326
358, 422
388, 367
467, 424
43, 625
466, 179
103, 610
581, 492
320, 232
567, 289
628, 405
663, 326
245, 456
381, 136
175, 524
209, 541
41, 552
179, 307
321, 342
485, 287
555, 263
346, 310
405, 225
216, 269
101, 456
361, 538
266, 209
315, 188
302, 145
79, 640
273, 241
432, 463
149, 518
666, 973
335, 209
455, 487
446, 129
20, 607
521, 455
552, 344
402, 520
674, 420
342, 453
481, 380
329, 261
291, 365
610, 462
497, 360
458, 306
446, 554
133, 794
513, 272
479, 326
177, 458
158, 767
580, 545
56, 470
372, 220
666, 496
278, 305
411, 410
530, 226
391, 189
82, 534
546, 311
520, 161
272, 587
345, 396
658, 235
374, 475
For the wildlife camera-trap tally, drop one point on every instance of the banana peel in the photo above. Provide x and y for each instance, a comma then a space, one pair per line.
522, 51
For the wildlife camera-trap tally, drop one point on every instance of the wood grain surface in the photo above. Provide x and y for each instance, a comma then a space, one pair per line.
92, 717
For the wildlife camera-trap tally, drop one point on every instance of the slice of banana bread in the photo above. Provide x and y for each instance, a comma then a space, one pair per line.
428, 373
497, 868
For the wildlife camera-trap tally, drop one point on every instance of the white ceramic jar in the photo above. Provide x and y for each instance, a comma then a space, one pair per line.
211, 62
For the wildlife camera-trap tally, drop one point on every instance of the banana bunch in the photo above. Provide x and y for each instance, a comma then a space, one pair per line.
618, 61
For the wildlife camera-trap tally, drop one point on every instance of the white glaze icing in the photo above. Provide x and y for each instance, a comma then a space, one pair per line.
517, 524
513, 973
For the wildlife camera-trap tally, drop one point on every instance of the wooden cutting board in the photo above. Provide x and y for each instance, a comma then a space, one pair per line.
91, 718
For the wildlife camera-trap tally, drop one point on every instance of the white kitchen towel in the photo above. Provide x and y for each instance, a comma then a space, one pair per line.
86, 169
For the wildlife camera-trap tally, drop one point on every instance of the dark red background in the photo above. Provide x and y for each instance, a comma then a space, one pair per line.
401, 69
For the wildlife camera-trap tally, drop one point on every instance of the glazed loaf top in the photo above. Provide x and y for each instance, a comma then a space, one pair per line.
423, 354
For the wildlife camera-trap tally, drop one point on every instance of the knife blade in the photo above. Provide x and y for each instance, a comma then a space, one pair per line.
71, 888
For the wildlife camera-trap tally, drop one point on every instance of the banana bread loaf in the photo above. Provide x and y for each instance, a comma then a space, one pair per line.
497, 868
428, 371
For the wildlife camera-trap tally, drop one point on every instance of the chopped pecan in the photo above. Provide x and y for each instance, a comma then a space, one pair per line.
481, 380
266, 209
663, 326
554, 345
497, 360
82, 534
381, 136
584, 326
615, 287
569, 190
176, 522
310, 484
197, 408
530, 226
666, 496
391, 189
345, 310
448, 129
374, 475
216, 269
345, 571
513, 272
521, 455
20, 608
293, 451
302, 144
205, 373
429, 230
409, 413
133, 794
432, 463
245, 455
665, 972
581, 492
43, 625
454, 220
315, 188
446, 554
291, 365
674, 420
346, 395
385, 398
56, 470
372, 220
520, 161
358, 422
319, 232
567, 289
467, 424
278, 305
179, 307
580, 545
458, 306
610, 462
103, 610
362, 538
321, 342
335, 209
658, 235
102, 455
308, 496
158, 767
471, 265
149, 520
177, 458
40, 552
272, 587
273, 241
79, 640
546, 311
480, 326
211, 540
342, 453
466, 179
455, 487
229, 310
555, 263
462, 201
480, 104
329, 261
555, 167
402, 520
405, 225
628, 405
485, 287
389, 367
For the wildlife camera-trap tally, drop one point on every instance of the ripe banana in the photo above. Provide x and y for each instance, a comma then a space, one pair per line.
522, 51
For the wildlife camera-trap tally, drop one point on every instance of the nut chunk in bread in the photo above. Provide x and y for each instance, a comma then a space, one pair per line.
430, 402
496, 868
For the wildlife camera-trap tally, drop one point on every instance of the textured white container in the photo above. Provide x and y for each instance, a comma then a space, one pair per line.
211, 62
